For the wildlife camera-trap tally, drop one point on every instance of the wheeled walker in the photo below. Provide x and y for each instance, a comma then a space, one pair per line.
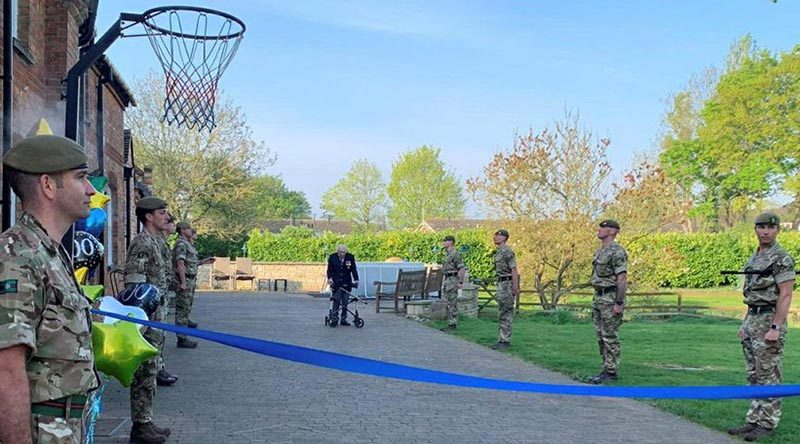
332, 319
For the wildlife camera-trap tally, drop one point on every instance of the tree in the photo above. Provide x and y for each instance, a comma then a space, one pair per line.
421, 188
746, 146
548, 187
273, 200
360, 196
205, 177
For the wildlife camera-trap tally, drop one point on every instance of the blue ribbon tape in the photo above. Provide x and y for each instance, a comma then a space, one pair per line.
372, 367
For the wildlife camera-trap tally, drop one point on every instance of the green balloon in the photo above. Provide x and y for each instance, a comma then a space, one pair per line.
119, 350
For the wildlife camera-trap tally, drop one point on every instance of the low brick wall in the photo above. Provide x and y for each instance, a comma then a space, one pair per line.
436, 309
301, 277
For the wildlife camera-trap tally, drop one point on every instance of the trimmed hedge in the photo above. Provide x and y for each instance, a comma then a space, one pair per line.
674, 260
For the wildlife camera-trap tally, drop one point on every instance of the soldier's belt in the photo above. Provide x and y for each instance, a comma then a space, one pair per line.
758, 309
449, 275
604, 290
68, 407
503, 278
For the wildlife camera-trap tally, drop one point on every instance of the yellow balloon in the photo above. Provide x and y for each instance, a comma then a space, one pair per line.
99, 200
119, 350
81, 274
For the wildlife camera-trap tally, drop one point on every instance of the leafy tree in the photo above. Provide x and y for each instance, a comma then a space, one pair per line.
548, 187
360, 196
273, 200
421, 188
205, 177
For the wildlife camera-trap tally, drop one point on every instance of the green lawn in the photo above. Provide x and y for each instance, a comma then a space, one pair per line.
677, 351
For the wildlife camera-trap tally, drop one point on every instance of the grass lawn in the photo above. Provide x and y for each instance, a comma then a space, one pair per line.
677, 351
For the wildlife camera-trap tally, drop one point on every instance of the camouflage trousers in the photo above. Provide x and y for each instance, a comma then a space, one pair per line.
505, 310
51, 430
143, 387
165, 303
450, 294
606, 326
762, 361
184, 299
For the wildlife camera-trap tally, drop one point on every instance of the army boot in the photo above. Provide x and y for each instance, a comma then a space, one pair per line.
191, 324
757, 433
164, 378
147, 433
186, 343
501, 345
747, 428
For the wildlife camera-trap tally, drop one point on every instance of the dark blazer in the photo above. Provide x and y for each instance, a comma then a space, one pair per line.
344, 272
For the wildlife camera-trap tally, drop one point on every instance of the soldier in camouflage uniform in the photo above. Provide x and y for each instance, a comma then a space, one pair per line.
145, 263
454, 270
186, 262
610, 282
505, 265
163, 377
46, 357
769, 279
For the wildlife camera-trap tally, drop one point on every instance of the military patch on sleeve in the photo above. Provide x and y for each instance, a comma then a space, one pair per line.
8, 286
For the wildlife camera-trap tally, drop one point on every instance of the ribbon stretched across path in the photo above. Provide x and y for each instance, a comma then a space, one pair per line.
373, 367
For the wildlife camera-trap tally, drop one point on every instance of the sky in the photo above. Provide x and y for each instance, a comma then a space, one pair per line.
325, 83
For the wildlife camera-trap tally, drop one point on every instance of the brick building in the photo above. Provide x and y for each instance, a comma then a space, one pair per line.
48, 36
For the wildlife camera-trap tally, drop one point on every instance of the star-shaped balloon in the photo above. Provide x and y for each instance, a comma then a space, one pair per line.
92, 291
80, 274
119, 350
98, 200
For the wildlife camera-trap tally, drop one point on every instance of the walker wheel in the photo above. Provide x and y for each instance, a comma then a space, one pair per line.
327, 319
359, 322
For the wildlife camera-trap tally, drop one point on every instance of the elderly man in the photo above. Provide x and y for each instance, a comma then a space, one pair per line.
46, 357
342, 278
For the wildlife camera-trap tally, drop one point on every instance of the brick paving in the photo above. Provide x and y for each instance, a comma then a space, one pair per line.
227, 395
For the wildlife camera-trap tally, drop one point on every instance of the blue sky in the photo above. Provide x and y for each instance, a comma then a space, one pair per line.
325, 83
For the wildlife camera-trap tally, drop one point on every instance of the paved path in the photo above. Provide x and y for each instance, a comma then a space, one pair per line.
231, 396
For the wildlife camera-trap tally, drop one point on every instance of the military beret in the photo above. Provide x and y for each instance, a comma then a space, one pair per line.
45, 154
151, 203
502, 232
609, 223
449, 238
768, 219
183, 225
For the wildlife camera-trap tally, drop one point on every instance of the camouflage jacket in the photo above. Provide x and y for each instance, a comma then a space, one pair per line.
609, 261
43, 308
777, 267
452, 262
169, 269
504, 261
145, 262
184, 250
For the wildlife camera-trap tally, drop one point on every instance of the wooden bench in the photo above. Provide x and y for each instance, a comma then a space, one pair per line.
409, 283
433, 283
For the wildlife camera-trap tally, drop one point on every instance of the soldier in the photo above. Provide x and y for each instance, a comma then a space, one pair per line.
454, 270
145, 263
769, 279
46, 357
610, 282
186, 262
505, 265
163, 377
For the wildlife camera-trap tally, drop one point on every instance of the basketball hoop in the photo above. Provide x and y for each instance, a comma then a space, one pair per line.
194, 45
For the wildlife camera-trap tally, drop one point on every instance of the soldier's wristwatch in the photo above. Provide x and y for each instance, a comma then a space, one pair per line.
774, 327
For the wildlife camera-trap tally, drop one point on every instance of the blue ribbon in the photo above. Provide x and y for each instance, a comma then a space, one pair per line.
373, 367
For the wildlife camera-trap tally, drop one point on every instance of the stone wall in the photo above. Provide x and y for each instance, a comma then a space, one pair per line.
436, 309
301, 277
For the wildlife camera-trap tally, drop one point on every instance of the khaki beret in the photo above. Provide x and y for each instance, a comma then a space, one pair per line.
609, 223
768, 219
183, 225
449, 238
151, 203
502, 232
45, 154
